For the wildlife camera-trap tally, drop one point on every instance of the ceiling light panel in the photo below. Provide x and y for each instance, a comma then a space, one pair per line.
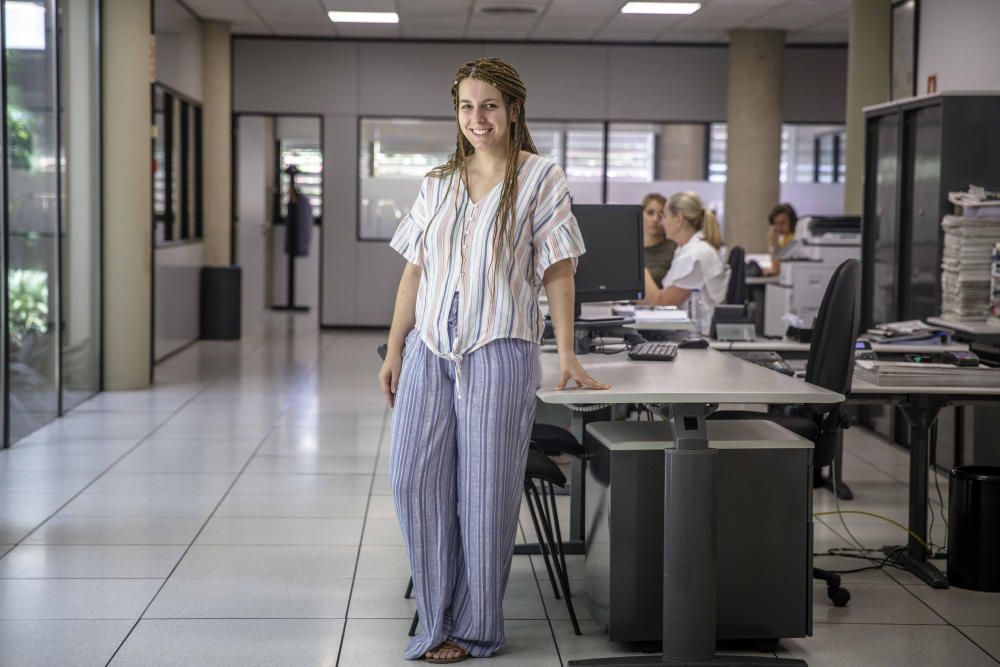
661, 8
363, 17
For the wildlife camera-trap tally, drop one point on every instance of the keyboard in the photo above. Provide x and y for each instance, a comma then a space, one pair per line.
653, 351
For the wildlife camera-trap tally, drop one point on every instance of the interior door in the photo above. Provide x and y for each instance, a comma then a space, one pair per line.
254, 157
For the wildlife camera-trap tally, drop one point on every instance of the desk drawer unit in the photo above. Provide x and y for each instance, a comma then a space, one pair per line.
763, 528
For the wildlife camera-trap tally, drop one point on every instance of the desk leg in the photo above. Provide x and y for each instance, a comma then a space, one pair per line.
921, 413
689, 558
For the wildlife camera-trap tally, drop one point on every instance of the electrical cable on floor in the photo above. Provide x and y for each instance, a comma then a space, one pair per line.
881, 563
937, 486
836, 500
877, 516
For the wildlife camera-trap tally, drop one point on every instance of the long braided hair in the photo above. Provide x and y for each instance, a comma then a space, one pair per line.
499, 73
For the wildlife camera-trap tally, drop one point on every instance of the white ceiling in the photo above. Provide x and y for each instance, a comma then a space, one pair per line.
806, 21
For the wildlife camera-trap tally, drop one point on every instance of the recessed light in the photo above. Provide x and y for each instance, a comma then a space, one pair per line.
661, 7
363, 17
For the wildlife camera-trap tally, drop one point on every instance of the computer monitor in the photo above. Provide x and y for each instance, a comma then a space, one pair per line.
612, 267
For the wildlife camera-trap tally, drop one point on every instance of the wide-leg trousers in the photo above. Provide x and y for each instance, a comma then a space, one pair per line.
457, 470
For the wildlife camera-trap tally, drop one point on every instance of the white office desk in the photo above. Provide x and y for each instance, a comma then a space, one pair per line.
762, 280
693, 377
983, 326
687, 385
984, 330
784, 345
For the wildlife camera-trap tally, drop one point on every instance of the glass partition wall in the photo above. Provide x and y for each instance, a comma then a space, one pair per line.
605, 162
50, 213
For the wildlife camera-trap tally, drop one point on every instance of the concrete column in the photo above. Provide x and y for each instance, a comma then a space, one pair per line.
681, 152
868, 82
753, 148
127, 74
217, 142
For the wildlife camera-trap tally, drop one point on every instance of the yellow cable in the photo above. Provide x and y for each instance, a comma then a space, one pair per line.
877, 516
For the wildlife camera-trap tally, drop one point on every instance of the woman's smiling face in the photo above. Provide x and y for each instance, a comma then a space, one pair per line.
482, 114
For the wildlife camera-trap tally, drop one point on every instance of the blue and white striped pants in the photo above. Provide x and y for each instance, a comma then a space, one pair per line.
457, 471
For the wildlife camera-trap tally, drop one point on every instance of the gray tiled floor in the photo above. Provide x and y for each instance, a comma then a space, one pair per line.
238, 513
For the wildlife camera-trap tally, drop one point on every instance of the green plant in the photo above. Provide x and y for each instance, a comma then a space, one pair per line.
20, 141
28, 303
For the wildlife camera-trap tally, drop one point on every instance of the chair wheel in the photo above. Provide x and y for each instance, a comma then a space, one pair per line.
839, 596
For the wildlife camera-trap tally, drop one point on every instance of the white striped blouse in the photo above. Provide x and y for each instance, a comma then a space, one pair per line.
451, 238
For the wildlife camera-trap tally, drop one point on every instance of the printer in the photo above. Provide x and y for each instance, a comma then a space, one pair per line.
821, 244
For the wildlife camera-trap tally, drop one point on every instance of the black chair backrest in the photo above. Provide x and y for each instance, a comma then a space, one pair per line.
736, 292
831, 352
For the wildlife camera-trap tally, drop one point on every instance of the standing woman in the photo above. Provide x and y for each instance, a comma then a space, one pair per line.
489, 228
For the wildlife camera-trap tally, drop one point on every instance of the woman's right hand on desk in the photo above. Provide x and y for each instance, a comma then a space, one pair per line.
388, 375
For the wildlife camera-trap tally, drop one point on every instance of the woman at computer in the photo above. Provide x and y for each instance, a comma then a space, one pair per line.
658, 250
696, 264
488, 230
780, 232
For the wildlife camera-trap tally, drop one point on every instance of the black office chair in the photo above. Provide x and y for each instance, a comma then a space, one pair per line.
736, 292
830, 365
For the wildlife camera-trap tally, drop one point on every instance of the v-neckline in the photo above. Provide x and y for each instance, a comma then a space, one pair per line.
491, 190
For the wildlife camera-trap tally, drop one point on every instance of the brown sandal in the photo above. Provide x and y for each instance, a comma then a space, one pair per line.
462, 657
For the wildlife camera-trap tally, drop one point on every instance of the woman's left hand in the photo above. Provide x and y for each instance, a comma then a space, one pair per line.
571, 368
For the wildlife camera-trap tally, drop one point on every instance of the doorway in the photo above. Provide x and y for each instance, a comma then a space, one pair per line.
269, 150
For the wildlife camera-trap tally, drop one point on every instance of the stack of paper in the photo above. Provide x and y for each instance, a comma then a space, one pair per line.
907, 332
906, 374
965, 265
660, 315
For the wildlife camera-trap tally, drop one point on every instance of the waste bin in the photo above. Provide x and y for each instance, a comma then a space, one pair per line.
974, 528
220, 315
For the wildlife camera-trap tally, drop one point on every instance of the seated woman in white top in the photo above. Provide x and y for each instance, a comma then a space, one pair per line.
696, 263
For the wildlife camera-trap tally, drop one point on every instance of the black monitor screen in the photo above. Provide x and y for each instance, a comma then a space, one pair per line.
612, 267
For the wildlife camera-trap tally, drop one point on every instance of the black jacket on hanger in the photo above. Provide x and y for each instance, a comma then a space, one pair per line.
298, 226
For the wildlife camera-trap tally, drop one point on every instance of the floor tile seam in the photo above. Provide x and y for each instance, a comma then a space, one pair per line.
944, 624
976, 643
243, 618
202, 388
927, 605
60, 620
80, 578
364, 523
316, 474
306, 375
101, 474
271, 544
538, 588
878, 465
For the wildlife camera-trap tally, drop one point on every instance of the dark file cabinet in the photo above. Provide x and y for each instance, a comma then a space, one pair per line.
916, 151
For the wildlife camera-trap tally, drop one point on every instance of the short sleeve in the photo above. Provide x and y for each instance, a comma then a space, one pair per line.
685, 272
408, 240
556, 232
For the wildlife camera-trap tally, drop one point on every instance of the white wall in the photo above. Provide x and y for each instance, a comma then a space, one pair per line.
958, 42
178, 48
176, 297
565, 82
